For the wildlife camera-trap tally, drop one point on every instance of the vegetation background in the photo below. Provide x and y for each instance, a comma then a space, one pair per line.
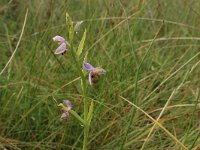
150, 49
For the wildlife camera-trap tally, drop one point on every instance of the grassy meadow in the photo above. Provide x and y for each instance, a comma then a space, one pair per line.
148, 99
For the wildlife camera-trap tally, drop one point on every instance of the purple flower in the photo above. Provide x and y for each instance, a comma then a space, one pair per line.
63, 45
66, 108
94, 72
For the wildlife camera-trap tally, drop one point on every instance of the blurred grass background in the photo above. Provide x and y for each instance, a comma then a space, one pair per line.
167, 32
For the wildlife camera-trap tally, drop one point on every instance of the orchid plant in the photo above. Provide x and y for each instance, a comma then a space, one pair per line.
94, 74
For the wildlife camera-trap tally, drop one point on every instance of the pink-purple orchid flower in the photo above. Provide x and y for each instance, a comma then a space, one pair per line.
63, 44
67, 107
94, 72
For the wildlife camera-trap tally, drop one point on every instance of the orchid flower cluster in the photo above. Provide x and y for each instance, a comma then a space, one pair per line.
93, 75
94, 72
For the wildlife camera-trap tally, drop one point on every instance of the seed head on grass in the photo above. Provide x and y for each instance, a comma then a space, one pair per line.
63, 45
94, 72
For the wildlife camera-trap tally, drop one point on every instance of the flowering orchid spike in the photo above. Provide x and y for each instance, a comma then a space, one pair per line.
94, 72
63, 45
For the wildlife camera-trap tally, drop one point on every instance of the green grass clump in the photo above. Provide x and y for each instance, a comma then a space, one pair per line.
150, 50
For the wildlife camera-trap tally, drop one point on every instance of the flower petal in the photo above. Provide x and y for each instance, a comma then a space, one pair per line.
102, 72
88, 66
68, 104
90, 78
61, 49
59, 39
65, 116
99, 71
77, 26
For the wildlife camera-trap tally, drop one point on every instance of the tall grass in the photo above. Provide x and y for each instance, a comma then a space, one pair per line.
149, 48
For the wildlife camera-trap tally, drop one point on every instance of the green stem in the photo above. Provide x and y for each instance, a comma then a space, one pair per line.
84, 89
86, 129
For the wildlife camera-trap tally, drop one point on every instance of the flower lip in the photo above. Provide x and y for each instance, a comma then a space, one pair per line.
65, 115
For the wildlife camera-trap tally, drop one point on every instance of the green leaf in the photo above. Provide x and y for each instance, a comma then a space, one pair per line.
71, 33
85, 58
90, 113
68, 20
81, 45
72, 112
70, 27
